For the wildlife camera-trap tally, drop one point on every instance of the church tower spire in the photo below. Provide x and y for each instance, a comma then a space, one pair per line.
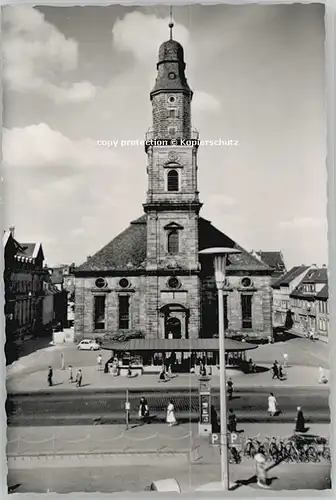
172, 205
171, 24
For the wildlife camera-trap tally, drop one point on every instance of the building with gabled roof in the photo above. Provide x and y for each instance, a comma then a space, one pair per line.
274, 260
23, 280
150, 278
309, 303
282, 289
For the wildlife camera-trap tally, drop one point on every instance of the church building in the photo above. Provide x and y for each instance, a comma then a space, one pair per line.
150, 279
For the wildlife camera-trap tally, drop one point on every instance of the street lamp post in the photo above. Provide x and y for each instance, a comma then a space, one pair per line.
220, 255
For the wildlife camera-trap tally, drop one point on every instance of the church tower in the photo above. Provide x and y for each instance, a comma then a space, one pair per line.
172, 205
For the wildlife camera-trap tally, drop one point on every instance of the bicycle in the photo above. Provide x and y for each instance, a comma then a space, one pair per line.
303, 452
251, 446
234, 455
323, 449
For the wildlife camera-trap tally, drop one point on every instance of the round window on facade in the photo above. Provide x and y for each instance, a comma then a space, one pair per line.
246, 282
173, 282
123, 283
171, 99
100, 282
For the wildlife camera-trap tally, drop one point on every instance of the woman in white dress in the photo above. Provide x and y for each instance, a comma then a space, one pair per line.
272, 405
171, 420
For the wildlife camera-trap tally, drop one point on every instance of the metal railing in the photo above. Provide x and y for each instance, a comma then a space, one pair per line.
151, 135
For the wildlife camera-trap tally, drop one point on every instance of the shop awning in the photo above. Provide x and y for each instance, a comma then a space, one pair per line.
179, 345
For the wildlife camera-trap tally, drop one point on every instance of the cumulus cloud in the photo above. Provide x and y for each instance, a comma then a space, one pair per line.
38, 58
141, 35
203, 101
41, 146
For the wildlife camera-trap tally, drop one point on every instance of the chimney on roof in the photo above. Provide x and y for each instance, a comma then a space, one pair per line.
324, 266
12, 231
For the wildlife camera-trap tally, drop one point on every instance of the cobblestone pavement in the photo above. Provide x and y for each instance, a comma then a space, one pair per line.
29, 441
136, 478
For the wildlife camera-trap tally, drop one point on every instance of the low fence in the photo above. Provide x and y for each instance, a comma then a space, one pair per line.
274, 449
90, 444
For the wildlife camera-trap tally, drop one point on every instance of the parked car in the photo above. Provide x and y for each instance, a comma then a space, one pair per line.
88, 345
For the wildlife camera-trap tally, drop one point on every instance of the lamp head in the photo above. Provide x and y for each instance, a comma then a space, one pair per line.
219, 256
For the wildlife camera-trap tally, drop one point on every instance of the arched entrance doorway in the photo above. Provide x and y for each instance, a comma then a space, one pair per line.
173, 328
174, 321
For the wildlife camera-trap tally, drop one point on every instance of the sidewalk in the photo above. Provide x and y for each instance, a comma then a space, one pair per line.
297, 376
115, 439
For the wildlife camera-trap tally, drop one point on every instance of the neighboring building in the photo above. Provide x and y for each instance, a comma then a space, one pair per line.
150, 278
23, 282
282, 288
322, 312
309, 302
60, 296
274, 260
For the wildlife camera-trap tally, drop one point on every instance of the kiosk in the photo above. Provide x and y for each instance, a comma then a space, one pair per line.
204, 424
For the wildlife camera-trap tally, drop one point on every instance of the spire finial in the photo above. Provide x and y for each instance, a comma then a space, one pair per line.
171, 24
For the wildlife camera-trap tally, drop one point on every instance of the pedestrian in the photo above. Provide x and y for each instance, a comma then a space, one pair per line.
230, 388
162, 375
202, 370
99, 362
275, 370
70, 374
281, 373
214, 420
285, 357
129, 371
50, 376
143, 410
106, 367
232, 424
79, 378
322, 378
62, 362
272, 405
250, 365
300, 421
171, 420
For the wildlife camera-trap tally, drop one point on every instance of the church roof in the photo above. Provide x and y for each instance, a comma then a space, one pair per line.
171, 50
128, 250
186, 345
130, 246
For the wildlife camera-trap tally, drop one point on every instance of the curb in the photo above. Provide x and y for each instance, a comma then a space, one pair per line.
110, 391
38, 456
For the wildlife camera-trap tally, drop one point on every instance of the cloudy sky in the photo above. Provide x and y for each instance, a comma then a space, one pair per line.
74, 76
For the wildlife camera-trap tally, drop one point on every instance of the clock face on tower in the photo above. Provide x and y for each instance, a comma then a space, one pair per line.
171, 75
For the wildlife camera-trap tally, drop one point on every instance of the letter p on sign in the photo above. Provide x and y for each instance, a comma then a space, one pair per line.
234, 437
215, 439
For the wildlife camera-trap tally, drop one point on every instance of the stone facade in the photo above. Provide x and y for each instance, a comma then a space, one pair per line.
150, 278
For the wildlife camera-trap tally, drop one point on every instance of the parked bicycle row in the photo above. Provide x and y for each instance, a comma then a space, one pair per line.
291, 449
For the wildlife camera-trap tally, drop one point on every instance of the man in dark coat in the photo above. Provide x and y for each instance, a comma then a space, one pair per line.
230, 388
300, 421
232, 424
275, 370
50, 376
214, 420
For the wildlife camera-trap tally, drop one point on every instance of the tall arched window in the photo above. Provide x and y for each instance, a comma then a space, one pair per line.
172, 180
173, 242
